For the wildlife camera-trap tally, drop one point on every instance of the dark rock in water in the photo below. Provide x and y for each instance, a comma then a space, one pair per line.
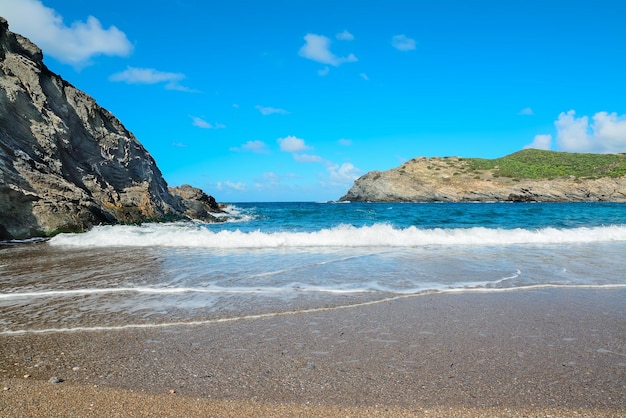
66, 163
198, 205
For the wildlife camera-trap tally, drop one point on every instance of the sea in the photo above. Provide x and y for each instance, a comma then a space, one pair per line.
271, 259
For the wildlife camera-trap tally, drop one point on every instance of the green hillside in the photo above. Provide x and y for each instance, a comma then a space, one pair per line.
539, 164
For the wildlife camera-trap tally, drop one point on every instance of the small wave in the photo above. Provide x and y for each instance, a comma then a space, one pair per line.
513, 276
267, 290
235, 214
296, 312
14, 242
470, 287
377, 235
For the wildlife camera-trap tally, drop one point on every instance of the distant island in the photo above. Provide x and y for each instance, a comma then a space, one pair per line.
529, 175
67, 164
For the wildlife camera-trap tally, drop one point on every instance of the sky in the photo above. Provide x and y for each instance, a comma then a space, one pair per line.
292, 101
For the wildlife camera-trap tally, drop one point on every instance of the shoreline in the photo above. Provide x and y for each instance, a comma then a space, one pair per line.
305, 311
528, 351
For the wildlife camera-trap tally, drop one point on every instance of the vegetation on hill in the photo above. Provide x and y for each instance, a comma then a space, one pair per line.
540, 164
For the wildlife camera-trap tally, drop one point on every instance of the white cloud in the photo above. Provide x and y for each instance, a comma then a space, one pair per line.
345, 142
276, 182
292, 144
527, 111
238, 186
307, 158
178, 87
256, 146
605, 134
541, 142
572, 132
344, 173
270, 110
317, 48
134, 75
610, 131
324, 71
364, 76
270, 177
275, 178
201, 123
338, 175
75, 44
403, 43
345, 36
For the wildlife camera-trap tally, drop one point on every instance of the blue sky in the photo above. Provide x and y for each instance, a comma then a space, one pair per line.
291, 101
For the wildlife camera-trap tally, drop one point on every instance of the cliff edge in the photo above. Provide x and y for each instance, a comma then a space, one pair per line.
525, 176
66, 163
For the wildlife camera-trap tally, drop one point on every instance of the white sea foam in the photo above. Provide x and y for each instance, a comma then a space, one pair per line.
192, 323
242, 290
514, 276
235, 214
378, 235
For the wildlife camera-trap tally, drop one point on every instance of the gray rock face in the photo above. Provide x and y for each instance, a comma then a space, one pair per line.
65, 162
197, 204
444, 180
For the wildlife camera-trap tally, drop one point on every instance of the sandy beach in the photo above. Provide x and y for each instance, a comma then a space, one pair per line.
543, 352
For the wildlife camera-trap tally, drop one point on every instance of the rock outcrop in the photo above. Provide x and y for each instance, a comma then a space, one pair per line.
450, 179
66, 163
196, 203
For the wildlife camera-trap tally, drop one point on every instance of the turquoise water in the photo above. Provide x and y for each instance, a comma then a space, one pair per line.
276, 258
315, 216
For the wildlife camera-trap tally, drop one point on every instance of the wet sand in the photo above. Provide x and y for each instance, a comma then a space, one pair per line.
558, 352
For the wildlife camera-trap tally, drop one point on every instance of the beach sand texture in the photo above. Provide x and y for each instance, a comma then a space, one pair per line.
543, 352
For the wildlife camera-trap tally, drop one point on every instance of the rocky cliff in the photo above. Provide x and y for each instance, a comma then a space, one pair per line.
453, 179
66, 163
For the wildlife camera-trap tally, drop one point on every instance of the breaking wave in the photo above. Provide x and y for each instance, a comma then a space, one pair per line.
189, 235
